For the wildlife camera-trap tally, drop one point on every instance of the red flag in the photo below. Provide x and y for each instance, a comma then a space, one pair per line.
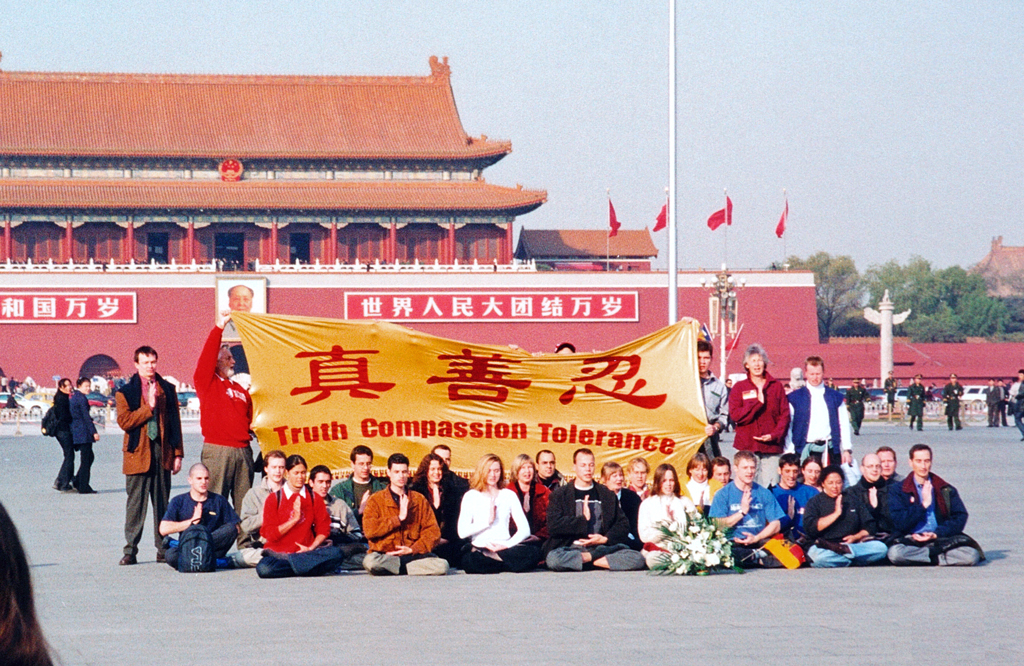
780, 228
612, 221
662, 220
720, 217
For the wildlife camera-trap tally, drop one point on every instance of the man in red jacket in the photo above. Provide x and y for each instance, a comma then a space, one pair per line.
225, 417
759, 408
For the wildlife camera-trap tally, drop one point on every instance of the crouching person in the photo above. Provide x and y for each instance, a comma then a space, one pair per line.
295, 529
930, 517
586, 525
198, 510
401, 528
839, 526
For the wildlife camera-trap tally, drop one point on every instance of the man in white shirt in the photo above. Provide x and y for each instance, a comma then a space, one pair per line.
1016, 398
819, 421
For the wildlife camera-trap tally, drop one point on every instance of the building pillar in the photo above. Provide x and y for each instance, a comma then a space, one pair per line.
392, 250
128, 251
332, 251
190, 243
274, 256
451, 242
507, 258
69, 243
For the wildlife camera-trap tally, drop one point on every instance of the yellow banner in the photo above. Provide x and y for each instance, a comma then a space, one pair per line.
323, 386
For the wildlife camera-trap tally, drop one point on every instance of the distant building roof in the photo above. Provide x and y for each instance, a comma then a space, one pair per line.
247, 117
1003, 269
553, 244
28, 194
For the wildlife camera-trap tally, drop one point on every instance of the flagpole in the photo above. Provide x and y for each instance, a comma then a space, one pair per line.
728, 219
785, 254
670, 192
608, 236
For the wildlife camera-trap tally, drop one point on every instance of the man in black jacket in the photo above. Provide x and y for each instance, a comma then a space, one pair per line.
873, 491
587, 525
930, 517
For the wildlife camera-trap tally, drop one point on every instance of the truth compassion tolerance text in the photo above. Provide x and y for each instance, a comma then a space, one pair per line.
545, 433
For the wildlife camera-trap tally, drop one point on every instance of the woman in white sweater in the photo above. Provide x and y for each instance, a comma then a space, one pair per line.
664, 505
488, 509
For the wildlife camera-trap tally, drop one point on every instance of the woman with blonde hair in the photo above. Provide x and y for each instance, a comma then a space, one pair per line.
613, 478
665, 505
487, 509
533, 496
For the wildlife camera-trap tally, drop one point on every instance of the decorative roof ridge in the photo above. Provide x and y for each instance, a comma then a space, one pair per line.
440, 73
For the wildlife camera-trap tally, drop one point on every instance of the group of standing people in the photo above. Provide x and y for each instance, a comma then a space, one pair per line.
75, 432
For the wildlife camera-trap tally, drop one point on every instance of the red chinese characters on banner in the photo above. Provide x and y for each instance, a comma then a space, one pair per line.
493, 306
21, 307
478, 377
592, 370
340, 370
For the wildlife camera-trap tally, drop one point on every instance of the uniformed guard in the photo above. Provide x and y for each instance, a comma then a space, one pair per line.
890, 386
856, 395
915, 403
951, 395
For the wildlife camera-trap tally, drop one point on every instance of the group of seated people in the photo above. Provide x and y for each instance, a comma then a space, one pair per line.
429, 520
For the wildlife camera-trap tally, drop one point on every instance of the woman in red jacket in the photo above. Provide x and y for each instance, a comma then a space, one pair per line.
760, 409
296, 522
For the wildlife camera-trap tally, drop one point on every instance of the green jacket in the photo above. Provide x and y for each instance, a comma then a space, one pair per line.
916, 397
855, 397
345, 491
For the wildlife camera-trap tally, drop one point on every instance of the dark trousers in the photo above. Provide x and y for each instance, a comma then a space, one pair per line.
711, 448
67, 467
993, 415
516, 559
86, 457
318, 562
223, 538
920, 421
856, 417
953, 418
156, 484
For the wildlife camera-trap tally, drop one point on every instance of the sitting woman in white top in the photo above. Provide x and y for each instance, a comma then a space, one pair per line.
484, 519
663, 506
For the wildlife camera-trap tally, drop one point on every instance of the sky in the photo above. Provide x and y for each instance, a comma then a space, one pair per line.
895, 128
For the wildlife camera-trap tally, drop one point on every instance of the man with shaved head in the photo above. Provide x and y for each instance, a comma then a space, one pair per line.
202, 509
873, 491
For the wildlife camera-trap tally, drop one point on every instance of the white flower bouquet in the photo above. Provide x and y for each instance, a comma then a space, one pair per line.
697, 546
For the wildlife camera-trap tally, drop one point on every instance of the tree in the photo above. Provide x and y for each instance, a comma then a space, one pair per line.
947, 305
837, 288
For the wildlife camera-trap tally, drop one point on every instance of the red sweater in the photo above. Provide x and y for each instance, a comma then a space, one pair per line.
225, 414
753, 417
314, 520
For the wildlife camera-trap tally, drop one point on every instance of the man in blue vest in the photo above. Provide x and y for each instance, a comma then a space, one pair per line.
819, 421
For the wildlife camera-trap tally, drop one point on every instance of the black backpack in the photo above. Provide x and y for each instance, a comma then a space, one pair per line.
49, 424
195, 550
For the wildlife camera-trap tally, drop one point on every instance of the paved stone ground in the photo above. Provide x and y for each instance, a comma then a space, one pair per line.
95, 612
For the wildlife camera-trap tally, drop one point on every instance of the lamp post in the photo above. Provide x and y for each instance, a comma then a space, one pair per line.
722, 308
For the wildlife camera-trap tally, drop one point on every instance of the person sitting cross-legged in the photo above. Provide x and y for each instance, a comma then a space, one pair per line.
587, 525
930, 517
839, 526
401, 528
199, 507
792, 496
295, 528
665, 505
487, 508
346, 533
750, 512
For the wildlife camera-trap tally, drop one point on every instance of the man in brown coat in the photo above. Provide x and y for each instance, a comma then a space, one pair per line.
147, 411
401, 528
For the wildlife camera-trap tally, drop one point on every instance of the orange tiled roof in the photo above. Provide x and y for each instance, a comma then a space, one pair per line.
266, 195
1003, 269
585, 244
247, 117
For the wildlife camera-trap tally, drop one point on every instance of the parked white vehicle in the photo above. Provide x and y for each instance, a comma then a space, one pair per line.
974, 393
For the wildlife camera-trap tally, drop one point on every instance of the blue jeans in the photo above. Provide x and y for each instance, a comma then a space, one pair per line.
867, 552
1018, 420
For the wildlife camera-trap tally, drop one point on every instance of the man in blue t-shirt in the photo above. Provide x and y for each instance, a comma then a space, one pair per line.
750, 512
200, 507
792, 496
